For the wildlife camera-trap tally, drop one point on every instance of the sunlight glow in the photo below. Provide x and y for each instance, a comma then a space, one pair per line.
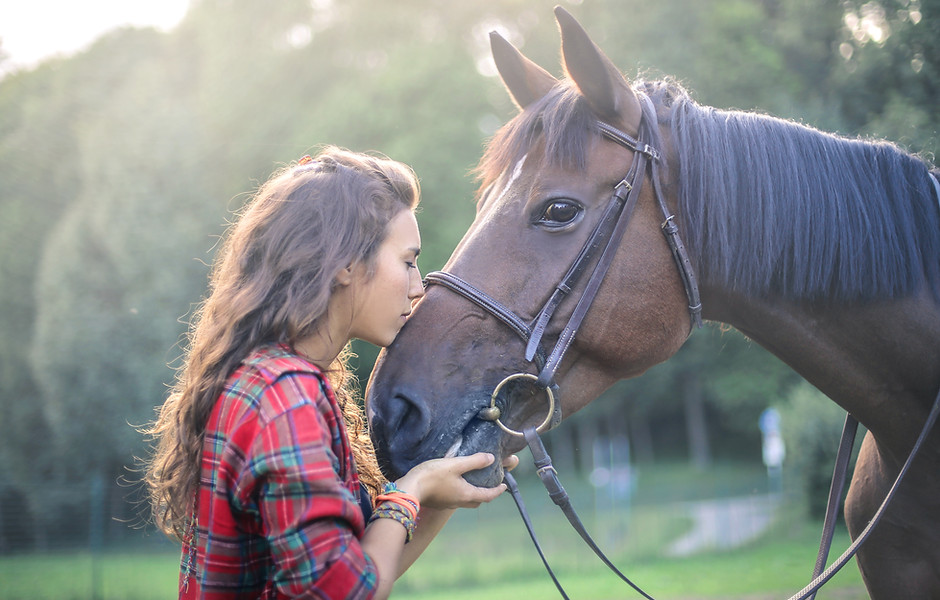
481, 44
870, 25
40, 29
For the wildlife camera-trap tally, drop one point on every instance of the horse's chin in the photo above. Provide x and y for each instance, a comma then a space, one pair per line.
481, 436
487, 477
476, 436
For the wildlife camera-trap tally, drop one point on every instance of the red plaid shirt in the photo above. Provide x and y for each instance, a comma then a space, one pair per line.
278, 513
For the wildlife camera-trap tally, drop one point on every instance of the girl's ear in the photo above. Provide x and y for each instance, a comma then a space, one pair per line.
344, 276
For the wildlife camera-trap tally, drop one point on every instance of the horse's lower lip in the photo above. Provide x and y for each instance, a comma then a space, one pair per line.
452, 451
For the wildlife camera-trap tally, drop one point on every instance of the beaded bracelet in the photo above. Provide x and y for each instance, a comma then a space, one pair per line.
392, 488
398, 513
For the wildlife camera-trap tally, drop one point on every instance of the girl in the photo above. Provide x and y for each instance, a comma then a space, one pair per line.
263, 467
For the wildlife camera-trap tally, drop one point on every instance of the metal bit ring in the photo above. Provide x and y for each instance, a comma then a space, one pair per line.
492, 413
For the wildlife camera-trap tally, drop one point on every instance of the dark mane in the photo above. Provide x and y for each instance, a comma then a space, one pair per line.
772, 206
766, 206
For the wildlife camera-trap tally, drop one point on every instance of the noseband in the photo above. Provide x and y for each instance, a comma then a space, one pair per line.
605, 238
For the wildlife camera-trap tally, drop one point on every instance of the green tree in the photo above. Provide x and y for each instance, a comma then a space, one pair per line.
811, 425
891, 76
39, 177
120, 166
716, 387
117, 268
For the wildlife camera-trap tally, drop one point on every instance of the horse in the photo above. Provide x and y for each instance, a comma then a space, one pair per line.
825, 250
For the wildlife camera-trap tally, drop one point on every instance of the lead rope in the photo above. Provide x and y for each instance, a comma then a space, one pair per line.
548, 475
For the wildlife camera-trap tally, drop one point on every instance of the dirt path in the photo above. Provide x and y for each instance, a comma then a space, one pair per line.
725, 523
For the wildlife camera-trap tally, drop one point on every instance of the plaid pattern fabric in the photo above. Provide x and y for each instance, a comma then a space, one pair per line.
278, 511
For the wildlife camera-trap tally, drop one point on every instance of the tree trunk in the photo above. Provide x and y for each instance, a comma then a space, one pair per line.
641, 438
695, 426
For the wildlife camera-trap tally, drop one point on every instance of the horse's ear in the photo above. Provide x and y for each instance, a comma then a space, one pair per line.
603, 85
525, 80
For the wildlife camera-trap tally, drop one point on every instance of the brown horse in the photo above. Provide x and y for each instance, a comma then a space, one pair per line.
824, 250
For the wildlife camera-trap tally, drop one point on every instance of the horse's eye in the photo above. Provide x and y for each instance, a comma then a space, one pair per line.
559, 213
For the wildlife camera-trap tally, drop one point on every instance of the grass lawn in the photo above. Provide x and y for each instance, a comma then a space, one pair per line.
486, 553
81, 576
487, 556
765, 571
770, 569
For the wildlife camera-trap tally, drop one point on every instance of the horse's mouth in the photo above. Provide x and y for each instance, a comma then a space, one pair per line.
452, 451
480, 435
468, 434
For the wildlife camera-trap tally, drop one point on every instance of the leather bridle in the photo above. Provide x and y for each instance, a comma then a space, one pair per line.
604, 239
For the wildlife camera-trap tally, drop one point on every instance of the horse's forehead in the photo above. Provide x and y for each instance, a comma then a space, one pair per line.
513, 176
493, 193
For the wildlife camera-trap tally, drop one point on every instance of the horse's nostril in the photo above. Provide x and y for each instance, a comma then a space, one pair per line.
406, 421
399, 425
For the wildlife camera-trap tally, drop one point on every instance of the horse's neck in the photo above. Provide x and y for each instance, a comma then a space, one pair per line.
881, 361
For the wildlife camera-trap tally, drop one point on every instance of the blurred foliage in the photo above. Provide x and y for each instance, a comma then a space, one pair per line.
120, 166
811, 428
737, 378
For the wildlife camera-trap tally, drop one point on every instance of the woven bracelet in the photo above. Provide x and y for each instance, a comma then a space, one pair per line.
406, 501
392, 493
397, 513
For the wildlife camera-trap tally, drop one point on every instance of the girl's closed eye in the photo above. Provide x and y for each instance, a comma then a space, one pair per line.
413, 255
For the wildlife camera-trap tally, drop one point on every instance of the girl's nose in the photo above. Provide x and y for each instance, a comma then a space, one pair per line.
417, 286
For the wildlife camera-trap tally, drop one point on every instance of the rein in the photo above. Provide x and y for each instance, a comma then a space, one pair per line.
549, 476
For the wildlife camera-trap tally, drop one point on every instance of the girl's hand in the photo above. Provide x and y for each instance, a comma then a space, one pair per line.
439, 483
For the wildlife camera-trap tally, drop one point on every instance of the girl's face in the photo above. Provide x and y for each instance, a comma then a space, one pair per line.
384, 300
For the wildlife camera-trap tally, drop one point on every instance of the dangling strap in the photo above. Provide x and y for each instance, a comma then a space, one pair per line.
517, 497
559, 496
840, 562
846, 443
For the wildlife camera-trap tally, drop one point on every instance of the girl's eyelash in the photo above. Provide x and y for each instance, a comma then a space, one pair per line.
411, 265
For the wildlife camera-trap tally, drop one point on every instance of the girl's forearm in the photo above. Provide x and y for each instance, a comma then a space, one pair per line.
430, 523
383, 542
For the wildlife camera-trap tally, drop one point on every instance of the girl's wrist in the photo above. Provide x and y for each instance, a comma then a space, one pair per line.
396, 504
409, 484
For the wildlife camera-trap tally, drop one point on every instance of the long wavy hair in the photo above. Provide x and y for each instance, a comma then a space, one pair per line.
271, 283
